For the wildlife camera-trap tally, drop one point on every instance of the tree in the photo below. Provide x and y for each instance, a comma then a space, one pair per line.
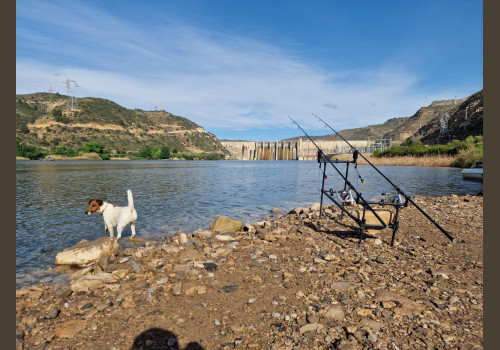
96, 147
26, 151
165, 152
93, 147
155, 154
147, 152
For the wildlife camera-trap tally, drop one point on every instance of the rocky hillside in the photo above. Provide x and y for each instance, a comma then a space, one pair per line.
463, 121
412, 126
42, 119
465, 118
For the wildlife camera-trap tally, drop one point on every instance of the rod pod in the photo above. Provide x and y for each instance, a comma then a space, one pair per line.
408, 198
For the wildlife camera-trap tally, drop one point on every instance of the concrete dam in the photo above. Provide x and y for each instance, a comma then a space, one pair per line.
301, 149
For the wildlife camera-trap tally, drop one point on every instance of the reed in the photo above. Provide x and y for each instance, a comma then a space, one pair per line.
435, 161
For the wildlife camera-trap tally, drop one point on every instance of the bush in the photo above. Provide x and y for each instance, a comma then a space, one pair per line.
471, 153
165, 152
63, 151
416, 149
201, 156
56, 112
31, 152
62, 119
105, 156
23, 128
149, 153
96, 147
467, 158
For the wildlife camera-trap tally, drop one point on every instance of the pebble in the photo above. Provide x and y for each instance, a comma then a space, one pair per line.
209, 266
135, 266
162, 281
324, 291
227, 289
372, 337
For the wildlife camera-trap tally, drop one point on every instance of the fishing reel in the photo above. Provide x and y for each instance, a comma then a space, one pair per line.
344, 196
394, 198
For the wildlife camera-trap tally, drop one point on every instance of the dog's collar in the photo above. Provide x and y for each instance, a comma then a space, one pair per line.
107, 205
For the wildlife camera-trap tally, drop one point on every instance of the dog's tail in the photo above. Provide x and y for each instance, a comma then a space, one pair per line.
130, 200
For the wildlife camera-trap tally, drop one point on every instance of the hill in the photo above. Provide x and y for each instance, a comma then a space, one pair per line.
463, 121
43, 120
464, 118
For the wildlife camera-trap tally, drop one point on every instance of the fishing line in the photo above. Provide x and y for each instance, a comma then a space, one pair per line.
359, 176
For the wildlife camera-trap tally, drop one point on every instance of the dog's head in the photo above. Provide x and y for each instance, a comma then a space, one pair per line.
94, 205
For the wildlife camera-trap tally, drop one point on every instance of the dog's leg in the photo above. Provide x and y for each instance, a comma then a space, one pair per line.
132, 227
119, 231
110, 228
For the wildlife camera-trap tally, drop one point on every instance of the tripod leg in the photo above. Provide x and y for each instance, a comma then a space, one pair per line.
361, 229
395, 226
394, 229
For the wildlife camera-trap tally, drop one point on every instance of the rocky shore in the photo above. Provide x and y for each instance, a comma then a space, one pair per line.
292, 281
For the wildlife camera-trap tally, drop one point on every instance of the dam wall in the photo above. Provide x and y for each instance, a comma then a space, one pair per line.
301, 149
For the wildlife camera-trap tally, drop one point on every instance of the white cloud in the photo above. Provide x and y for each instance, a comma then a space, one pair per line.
218, 81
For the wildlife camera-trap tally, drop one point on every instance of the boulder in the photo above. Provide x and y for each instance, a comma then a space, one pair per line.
182, 237
87, 253
225, 238
223, 223
386, 216
316, 207
203, 234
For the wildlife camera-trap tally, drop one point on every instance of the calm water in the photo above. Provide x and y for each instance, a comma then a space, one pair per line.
51, 197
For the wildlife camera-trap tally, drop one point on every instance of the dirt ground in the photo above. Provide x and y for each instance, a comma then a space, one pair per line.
292, 281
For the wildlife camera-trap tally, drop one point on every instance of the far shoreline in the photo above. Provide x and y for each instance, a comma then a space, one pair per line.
437, 161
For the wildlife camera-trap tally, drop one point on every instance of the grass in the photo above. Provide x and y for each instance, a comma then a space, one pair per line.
436, 161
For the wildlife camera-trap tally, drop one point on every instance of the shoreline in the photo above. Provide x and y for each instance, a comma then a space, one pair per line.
293, 280
441, 161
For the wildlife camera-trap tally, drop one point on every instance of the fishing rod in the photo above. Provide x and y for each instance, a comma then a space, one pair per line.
358, 195
408, 198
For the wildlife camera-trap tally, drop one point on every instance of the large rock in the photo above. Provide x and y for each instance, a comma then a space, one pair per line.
86, 253
336, 313
223, 223
386, 216
69, 328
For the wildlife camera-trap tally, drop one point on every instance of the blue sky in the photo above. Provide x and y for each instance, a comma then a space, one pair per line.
240, 68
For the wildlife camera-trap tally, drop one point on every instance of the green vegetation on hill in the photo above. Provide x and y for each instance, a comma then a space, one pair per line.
28, 151
44, 123
34, 152
467, 152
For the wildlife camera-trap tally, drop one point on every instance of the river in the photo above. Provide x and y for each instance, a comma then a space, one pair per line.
51, 197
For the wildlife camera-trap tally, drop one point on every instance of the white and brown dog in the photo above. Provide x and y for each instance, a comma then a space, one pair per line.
115, 216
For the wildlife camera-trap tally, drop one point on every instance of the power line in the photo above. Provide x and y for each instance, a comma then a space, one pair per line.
72, 103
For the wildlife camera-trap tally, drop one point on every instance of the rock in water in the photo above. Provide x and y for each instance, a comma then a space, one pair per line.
86, 253
182, 237
223, 223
